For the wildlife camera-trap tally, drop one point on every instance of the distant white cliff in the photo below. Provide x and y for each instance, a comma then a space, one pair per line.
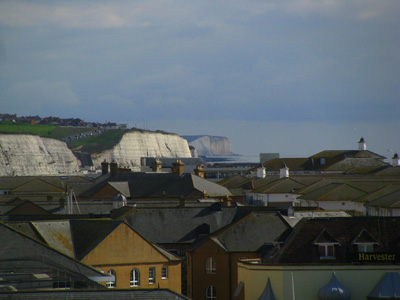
27, 155
207, 145
136, 144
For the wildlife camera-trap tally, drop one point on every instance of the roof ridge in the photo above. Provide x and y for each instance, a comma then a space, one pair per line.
47, 246
227, 227
100, 241
154, 245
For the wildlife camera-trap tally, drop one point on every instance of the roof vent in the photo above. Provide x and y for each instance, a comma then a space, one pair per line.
261, 172
395, 160
284, 171
119, 201
362, 145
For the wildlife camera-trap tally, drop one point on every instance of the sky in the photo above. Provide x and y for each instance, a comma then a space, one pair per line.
289, 76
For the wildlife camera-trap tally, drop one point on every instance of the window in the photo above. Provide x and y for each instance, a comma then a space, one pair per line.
327, 251
135, 278
210, 266
211, 293
365, 248
164, 273
111, 284
152, 275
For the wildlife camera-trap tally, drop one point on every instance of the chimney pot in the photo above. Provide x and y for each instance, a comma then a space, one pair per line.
199, 171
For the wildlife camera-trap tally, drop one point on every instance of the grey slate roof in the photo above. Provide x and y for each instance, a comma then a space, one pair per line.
179, 224
251, 232
87, 234
300, 246
391, 200
75, 238
12, 182
22, 256
148, 185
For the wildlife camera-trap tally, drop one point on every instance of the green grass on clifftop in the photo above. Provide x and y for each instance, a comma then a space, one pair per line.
98, 143
44, 130
22, 128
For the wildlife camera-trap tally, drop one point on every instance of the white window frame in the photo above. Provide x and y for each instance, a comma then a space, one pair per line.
365, 247
135, 278
211, 267
111, 284
326, 246
152, 275
164, 272
211, 293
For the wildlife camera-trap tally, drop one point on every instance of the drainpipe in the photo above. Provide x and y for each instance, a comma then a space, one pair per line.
293, 295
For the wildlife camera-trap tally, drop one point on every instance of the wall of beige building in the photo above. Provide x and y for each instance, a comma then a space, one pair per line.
304, 282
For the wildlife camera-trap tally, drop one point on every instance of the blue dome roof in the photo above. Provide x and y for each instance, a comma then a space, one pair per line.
119, 198
334, 291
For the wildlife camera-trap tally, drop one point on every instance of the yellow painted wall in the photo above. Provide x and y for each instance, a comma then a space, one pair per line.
308, 280
124, 250
123, 276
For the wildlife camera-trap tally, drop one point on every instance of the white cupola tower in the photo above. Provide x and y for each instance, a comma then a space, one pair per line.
284, 171
395, 160
261, 173
362, 145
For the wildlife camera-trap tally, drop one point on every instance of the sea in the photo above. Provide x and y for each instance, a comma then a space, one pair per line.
237, 158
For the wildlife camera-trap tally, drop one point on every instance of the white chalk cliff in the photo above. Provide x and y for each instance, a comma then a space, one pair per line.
135, 144
207, 145
27, 155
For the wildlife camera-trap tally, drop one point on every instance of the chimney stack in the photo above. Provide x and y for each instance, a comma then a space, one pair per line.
157, 165
362, 145
104, 167
178, 167
199, 171
113, 167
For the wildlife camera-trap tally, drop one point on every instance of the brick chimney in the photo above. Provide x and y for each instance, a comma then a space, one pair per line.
156, 165
178, 168
113, 167
104, 167
199, 171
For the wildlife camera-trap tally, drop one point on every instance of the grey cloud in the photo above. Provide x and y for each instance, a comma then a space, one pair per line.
39, 95
357, 9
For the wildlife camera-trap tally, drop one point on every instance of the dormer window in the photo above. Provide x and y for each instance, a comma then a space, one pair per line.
365, 248
326, 245
365, 242
327, 251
